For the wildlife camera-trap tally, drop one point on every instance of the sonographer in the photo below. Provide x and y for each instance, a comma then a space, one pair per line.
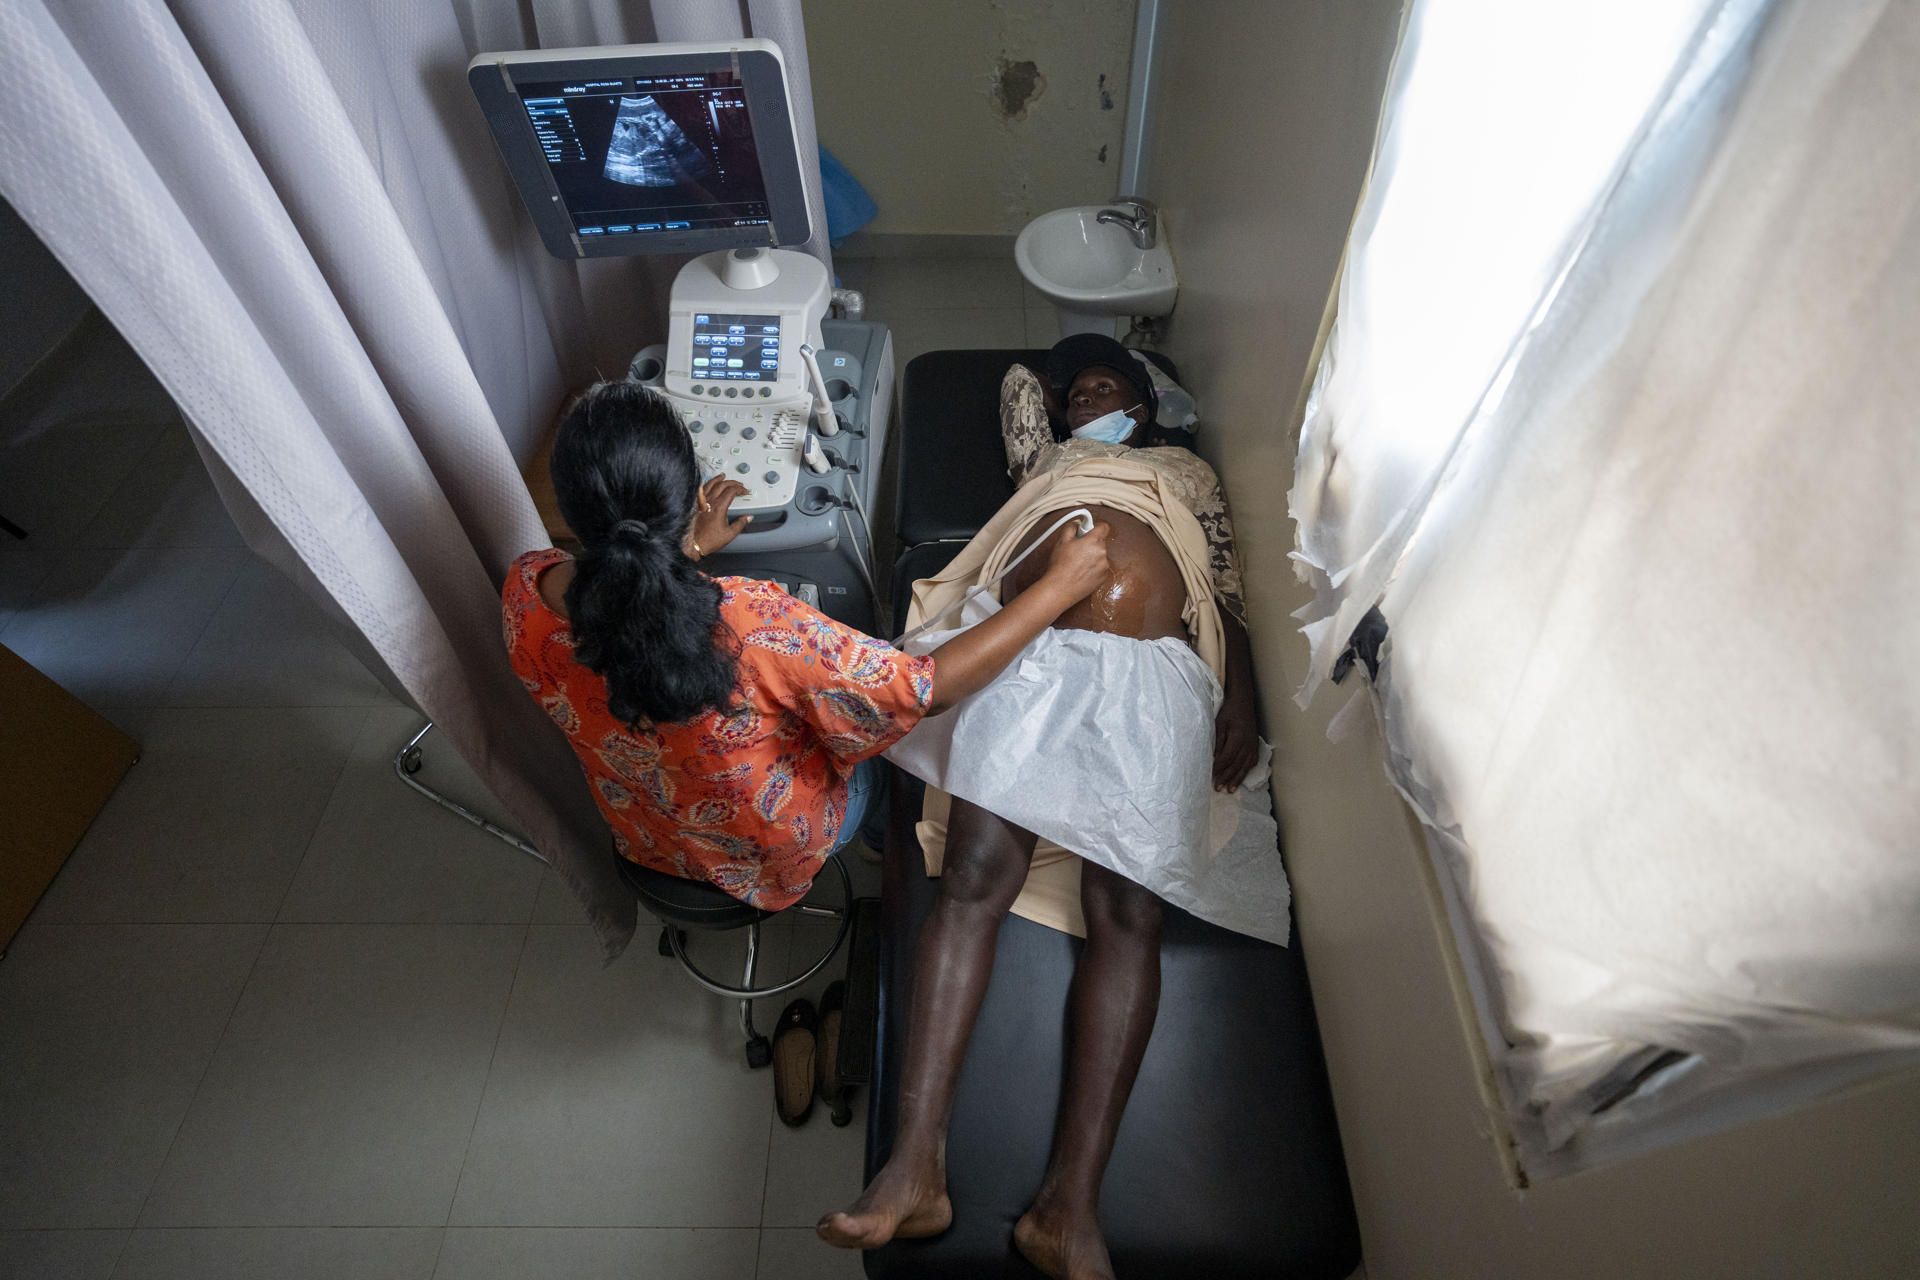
727, 729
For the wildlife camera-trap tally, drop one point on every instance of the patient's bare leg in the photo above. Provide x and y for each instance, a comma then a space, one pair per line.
1110, 1010
1112, 1004
986, 863
1116, 987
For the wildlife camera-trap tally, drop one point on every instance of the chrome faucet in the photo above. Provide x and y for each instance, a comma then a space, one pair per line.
1143, 224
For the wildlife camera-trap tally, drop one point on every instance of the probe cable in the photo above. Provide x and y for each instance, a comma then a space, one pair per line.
1081, 514
859, 508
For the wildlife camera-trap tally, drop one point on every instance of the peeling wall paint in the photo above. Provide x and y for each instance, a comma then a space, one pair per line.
971, 117
1015, 84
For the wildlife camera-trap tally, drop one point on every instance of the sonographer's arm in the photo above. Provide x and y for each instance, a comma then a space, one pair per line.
967, 662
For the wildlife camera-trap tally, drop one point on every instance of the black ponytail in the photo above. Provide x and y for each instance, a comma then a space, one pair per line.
643, 618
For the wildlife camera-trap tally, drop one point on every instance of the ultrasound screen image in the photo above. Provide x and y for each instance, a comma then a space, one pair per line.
648, 148
650, 153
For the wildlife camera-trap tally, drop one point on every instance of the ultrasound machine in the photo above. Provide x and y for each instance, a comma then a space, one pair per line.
690, 148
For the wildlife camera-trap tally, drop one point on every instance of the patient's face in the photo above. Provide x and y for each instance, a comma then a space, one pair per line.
1099, 391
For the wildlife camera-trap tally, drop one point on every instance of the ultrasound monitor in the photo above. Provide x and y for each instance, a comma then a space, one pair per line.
661, 148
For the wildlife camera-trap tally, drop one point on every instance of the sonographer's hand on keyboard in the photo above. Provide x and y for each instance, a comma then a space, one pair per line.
712, 529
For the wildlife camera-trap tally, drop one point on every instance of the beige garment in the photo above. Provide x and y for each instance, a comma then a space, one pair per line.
1031, 450
1051, 895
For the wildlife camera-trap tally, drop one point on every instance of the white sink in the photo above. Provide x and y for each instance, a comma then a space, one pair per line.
1092, 272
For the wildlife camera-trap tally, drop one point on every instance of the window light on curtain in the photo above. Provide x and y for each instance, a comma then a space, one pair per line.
1615, 425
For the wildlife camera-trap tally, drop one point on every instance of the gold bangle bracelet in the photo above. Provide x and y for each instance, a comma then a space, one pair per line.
698, 554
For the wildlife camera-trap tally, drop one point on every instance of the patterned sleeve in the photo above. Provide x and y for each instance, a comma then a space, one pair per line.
518, 598
1223, 561
1023, 421
858, 694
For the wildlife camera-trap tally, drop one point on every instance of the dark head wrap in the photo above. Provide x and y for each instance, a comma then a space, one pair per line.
1073, 355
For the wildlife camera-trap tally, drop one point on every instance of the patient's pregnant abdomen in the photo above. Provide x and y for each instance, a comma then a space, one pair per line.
1143, 595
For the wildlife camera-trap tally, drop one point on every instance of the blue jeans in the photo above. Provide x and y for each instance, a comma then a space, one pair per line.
866, 788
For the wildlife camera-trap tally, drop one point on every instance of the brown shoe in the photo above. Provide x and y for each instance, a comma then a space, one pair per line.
793, 1063
827, 1040
827, 1055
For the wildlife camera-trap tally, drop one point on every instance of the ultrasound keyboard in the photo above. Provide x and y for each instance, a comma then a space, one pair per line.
757, 444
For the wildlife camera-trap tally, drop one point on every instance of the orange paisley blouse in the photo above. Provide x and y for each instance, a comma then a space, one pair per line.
749, 799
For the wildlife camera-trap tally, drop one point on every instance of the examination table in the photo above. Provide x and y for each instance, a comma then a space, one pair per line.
1228, 1161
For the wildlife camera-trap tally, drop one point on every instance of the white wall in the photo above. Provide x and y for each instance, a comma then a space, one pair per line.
1257, 174
914, 98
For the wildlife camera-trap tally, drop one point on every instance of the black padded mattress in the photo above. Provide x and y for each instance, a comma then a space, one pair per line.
953, 469
1228, 1161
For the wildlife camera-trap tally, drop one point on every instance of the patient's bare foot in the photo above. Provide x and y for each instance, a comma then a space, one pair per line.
900, 1204
1064, 1243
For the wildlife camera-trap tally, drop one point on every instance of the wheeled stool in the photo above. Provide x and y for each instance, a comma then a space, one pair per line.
681, 904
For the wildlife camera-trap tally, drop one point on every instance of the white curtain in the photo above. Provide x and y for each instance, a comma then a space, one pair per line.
293, 212
1617, 426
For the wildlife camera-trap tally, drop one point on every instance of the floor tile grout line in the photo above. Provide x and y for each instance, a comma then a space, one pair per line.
290, 1225
126, 1242
238, 571
320, 817
766, 1174
306, 848
486, 1083
928, 295
237, 543
107, 490
440, 1251
213, 1054
163, 694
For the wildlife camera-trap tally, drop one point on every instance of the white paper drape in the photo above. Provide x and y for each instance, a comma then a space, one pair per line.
1642, 523
293, 212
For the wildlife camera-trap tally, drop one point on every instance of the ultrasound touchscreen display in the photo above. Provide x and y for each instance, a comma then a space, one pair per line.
643, 154
736, 348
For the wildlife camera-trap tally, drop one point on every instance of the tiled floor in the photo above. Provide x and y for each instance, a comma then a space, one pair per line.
278, 1016
935, 303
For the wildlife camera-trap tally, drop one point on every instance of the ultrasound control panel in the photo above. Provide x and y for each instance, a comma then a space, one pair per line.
809, 528
758, 445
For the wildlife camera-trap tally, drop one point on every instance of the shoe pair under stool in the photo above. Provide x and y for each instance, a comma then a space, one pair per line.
806, 1047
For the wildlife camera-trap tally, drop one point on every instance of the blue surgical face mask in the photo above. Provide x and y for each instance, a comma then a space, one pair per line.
1109, 428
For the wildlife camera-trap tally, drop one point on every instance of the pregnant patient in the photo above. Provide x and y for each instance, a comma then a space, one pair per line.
1096, 748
